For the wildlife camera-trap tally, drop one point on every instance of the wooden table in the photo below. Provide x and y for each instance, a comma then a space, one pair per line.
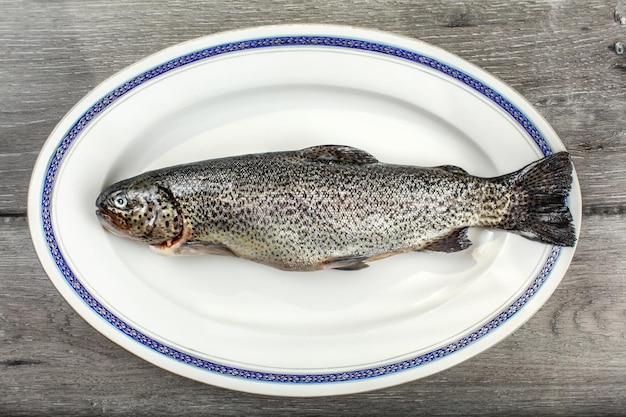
563, 56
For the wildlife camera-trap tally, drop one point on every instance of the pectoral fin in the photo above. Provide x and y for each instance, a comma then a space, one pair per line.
454, 241
201, 248
194, 248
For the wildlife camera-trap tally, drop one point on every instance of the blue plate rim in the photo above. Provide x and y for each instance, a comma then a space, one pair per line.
267, 42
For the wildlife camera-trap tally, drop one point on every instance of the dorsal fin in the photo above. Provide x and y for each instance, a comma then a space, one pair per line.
338, 154
453, 169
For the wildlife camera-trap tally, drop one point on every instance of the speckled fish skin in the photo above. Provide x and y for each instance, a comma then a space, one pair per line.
332, 207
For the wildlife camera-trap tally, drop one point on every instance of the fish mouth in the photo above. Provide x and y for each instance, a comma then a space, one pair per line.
120, 227
113, 223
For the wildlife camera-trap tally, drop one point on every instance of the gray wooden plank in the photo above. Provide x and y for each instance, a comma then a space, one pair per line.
567, 360
557, 57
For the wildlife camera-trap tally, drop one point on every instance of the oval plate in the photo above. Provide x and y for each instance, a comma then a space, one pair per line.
240, 325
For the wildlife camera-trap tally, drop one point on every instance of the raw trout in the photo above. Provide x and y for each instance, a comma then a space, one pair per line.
332, 207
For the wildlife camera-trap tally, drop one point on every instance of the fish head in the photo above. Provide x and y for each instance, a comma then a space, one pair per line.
140, 211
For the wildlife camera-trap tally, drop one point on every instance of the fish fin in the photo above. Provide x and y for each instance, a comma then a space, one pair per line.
202, 248
453, 169
454, 241
539, 211
353, 267
346, 263
193, 248
338, 154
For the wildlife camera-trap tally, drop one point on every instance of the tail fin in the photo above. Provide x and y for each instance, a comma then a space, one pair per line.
539, 193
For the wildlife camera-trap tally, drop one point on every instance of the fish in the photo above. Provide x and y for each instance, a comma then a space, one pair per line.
333, 207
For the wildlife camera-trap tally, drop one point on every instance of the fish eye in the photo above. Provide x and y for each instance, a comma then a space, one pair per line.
120, 201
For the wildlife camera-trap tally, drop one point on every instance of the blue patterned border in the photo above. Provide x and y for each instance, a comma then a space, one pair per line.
276, 42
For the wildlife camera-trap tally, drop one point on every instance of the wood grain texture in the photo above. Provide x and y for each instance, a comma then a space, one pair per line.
567, 360
557, 54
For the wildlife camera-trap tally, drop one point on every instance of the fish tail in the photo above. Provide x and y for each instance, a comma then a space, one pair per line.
539, 195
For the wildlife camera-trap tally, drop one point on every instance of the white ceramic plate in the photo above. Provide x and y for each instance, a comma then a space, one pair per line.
236, 324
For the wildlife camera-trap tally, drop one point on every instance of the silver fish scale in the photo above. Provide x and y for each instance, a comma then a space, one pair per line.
332, 207
296, 213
